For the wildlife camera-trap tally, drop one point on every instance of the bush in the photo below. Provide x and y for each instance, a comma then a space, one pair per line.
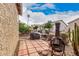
23, 28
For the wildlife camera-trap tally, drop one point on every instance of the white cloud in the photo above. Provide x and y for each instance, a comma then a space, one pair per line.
35, 18
39, 17
65, 16
51, 6
43, 7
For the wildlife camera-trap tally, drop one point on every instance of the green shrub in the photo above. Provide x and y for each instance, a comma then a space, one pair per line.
23, 28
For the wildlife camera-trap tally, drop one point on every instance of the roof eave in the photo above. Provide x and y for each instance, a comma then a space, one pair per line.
19, 8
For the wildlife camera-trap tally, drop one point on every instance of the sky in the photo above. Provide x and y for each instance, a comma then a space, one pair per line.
42, 12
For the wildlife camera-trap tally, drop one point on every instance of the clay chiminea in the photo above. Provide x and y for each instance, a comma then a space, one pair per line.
57, 42
57, 29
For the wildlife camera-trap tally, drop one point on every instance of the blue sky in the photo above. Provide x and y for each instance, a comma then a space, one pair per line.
60, 7
42, 12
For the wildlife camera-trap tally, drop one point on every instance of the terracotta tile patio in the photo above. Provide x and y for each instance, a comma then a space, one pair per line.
31, 47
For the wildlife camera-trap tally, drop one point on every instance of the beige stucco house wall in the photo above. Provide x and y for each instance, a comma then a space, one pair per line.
8, 29
71, 24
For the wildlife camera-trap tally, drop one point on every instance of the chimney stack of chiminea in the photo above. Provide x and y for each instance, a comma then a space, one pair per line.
57, 29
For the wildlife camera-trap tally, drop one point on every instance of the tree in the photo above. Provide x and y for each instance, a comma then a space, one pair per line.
48, 25
35, 27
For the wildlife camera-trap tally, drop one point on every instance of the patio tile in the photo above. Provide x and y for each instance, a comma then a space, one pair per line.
34, 54
34, 43
45, 44
25, 55
46, 48
32, 47
33, 50
39, 49
22, 46
42, 45
28, 44
22, 52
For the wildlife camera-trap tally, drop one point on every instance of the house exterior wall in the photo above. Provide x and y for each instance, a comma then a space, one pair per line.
8, 29
71, 24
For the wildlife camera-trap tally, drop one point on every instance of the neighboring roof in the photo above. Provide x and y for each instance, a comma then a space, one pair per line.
19, 8
60, 21
63, 25
73, 20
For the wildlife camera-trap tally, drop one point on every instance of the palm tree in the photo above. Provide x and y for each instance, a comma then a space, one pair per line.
28, 19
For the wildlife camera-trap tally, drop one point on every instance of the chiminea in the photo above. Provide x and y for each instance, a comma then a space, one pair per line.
57, 29
57, 35
57, 43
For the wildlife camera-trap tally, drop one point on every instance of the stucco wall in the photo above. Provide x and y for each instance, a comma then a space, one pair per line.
71, 25
8, 29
